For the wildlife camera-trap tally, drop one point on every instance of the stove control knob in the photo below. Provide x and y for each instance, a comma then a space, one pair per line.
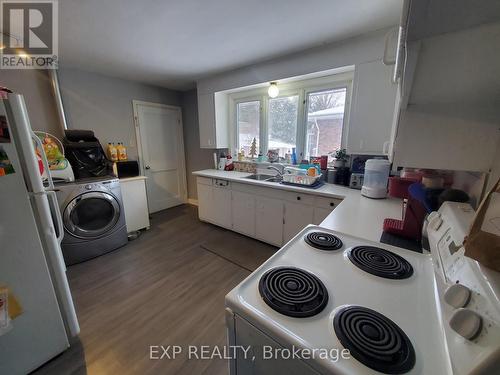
466, 323
457, 295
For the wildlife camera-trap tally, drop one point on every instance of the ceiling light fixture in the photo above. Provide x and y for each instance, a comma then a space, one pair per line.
273, 90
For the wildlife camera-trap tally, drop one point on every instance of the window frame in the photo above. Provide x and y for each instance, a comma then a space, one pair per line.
347, 108
302, 89
300, 104
234, 138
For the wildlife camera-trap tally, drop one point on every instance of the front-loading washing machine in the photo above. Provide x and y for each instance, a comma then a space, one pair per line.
93, 217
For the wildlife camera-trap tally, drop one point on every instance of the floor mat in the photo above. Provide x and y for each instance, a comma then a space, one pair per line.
240, 250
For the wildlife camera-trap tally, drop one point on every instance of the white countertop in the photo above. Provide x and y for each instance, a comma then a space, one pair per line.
356, 215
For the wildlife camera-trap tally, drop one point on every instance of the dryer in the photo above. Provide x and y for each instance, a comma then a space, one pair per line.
93, 217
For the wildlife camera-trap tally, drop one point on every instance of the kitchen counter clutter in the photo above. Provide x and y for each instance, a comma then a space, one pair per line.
274, 213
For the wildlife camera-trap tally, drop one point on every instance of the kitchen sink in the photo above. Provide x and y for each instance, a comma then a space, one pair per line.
274, 179
263, 177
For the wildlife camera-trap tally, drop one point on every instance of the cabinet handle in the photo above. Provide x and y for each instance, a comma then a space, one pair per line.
298, 198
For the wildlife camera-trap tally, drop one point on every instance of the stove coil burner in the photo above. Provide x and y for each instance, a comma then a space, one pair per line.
380, 262
374, 340
293, 292
323, 241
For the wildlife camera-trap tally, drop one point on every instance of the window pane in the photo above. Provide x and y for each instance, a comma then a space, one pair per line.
282, 122
325, 117
248, 125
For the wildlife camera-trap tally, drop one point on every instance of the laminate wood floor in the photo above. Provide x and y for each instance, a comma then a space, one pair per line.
164, 288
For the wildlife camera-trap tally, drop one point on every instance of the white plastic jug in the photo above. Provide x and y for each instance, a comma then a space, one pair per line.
376, 178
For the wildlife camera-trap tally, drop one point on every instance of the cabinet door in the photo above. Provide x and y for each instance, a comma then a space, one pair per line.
297, 216
374, 99
243, 210
269, 220
320, 214
205, 202
206, 115
222, 206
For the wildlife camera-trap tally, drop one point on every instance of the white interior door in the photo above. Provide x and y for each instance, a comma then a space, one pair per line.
161, 145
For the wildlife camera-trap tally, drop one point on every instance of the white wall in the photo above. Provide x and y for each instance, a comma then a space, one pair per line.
367, 131
35, 86
453, 116
104, 104
364, 48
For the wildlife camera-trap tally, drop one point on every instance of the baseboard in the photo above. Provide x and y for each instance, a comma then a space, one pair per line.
194, 202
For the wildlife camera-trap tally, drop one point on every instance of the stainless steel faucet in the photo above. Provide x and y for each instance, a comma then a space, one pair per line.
280, 173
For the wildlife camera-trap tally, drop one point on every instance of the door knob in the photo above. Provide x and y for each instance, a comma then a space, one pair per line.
147, 167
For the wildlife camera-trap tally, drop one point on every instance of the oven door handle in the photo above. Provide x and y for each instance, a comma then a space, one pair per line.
52, 197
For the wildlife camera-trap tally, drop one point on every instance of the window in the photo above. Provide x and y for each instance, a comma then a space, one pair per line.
308, 115
282, 124
248, 114
325, 119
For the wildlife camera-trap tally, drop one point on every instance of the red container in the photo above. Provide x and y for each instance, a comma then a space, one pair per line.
323, 162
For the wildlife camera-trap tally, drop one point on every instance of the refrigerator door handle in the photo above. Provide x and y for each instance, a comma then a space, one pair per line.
54, 207
44, 160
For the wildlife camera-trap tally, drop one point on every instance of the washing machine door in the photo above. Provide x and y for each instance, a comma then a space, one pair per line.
91, 214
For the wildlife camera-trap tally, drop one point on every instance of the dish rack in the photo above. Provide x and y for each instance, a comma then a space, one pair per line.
301, 179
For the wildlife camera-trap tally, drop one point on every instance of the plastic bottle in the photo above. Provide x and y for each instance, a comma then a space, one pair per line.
122, 152
112, 152
294, 156
118, 150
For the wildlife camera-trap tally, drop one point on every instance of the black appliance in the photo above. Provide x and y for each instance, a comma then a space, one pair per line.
129, 168
85, 154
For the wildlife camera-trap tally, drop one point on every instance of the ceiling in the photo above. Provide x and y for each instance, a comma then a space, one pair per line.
174, 43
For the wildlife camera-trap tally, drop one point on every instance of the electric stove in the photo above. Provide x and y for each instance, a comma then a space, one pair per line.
329, 291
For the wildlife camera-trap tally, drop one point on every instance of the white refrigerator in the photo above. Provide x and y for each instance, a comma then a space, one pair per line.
31, 261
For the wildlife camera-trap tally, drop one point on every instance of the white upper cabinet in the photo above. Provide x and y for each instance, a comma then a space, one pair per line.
206, 118
213, 120
372, 109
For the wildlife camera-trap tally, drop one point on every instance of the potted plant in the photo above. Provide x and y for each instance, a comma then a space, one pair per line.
340, 157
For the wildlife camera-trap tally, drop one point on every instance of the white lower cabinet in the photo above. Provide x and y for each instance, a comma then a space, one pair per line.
205, 201
320, 214
222, 206
297, 216
269, 220
214, 202
135, 203
270, 215
243, 210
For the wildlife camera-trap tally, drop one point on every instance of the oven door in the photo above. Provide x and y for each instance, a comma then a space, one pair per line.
91, 215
